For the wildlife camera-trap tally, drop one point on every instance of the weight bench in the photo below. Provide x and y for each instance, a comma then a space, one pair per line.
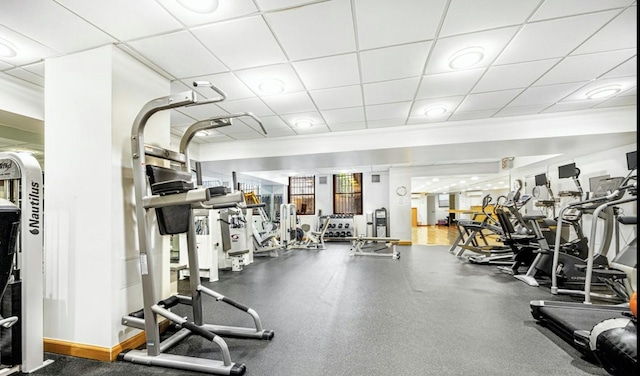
373, 246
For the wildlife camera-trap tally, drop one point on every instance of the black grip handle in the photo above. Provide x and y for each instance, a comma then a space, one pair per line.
235, 304
169, 302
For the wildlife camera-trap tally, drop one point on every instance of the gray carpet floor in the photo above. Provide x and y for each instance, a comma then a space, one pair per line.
427, 313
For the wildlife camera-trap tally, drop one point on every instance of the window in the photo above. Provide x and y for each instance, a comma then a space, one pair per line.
443, 200
347, 194
302, 193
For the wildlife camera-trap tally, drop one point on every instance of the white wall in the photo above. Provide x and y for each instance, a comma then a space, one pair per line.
91, 266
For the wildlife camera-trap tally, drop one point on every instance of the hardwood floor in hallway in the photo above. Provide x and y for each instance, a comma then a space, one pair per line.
433, 235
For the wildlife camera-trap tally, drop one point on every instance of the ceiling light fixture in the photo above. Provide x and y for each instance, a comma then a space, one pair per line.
200, 6
435, 111
603, 92
202, 133
271, 86
7, 49
466, 58
303, 123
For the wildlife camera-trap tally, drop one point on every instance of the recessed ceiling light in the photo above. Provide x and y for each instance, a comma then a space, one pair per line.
435, 179
603, 92
202, 133
475, 178
200, 6
7, 49
435, 110
271, 86
466, 58
303, 123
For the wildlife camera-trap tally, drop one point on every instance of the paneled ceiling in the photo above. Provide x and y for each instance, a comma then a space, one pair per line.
344, 65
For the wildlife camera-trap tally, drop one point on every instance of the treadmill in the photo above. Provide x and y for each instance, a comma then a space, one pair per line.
573, 321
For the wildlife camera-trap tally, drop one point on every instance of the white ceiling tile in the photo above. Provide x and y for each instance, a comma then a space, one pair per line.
281, 133
253, 105
390, 91
312, 116
4, 66
580, 94
450, 103
448, 84
628, 68
632, 91
222, 138
247, 136
540, 95
511, 76
27, 50
227, 82
26, 75
347, 126
465, 16
187, 58
319, 128
619, 101
315, 30
178, 119
269, 5
243, 43
341, 70
394, 62
415, 120
619, 34
272, 123
584, 67
554, 38
470, 115
203, 112
227, 9
557, 9
125, 19
492, 42
388, 111
343, 115
290, 103
180, 86
282, 72
235, 128
37, 68
486, 101
340, 97
52, 25
385, 23
520, 110
385, 123
570, 106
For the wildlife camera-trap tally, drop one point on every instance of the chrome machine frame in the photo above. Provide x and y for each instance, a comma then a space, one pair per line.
147, 318
26, 169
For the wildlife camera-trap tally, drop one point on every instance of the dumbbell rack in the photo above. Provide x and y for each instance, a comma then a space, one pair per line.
341, 226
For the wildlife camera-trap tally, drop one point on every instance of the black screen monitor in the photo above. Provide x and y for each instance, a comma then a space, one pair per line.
567, 171
541, 180
632, 163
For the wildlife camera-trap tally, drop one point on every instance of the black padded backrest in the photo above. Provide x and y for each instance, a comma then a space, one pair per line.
163, 181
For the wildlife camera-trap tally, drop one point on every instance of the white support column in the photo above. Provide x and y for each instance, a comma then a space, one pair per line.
92, 274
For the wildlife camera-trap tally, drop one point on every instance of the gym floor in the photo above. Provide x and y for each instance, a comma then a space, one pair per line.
427, 313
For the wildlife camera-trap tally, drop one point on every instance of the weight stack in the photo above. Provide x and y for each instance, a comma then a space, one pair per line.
11, 338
